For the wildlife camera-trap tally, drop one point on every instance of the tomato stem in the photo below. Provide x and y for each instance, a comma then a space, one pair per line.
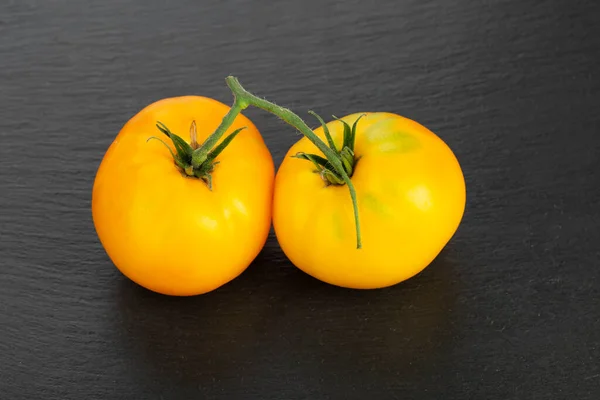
243, 99
201, 153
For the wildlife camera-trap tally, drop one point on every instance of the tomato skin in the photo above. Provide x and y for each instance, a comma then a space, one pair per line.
411, 198
170, 233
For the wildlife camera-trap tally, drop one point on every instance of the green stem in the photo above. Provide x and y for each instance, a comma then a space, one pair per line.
201, 154
243, 99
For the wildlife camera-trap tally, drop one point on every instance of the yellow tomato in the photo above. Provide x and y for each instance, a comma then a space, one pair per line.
170, 232
411, 199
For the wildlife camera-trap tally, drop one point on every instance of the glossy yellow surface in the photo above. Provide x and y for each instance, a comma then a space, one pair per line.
170, 233
411, 199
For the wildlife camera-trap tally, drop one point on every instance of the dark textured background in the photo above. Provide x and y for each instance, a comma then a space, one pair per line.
511, 308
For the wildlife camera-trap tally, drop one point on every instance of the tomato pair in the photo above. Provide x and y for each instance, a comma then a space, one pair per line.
185, 196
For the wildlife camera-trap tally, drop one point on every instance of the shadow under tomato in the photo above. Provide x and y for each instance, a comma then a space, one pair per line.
375, 335
193, 340
276, 325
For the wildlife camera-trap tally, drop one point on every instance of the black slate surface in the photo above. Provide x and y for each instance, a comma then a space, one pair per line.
510, 309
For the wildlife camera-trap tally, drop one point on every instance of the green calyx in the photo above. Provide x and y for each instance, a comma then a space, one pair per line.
346, 155
194, 160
